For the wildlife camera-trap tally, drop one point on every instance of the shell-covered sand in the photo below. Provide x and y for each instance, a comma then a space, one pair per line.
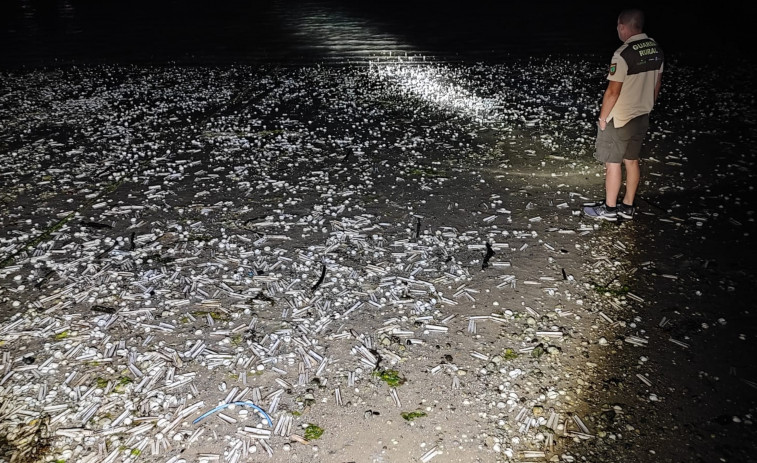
392, 254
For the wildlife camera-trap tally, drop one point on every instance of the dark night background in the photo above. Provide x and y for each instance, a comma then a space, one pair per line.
34, 32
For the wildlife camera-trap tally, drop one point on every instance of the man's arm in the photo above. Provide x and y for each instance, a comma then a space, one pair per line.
608, 101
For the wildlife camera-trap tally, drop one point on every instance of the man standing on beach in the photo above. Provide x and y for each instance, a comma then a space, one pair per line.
634, 82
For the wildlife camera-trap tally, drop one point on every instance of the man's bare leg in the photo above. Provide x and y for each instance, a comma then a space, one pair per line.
613, 179
633, 174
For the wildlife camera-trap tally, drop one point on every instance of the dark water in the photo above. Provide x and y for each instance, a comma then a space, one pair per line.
34, 32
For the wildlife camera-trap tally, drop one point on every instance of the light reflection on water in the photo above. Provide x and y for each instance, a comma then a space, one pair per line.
290, 31
334, 34
198, 31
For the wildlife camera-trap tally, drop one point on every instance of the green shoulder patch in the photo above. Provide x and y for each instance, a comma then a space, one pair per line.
613, 68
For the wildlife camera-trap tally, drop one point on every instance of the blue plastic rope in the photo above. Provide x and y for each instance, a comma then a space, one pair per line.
221, 407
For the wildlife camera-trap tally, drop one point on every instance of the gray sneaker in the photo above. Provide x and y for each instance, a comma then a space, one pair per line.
626, 211
600, 211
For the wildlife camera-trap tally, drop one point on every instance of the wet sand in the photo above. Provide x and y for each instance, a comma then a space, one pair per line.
175, 238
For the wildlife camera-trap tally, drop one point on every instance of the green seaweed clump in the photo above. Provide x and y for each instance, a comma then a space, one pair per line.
390, 377
216, 316
410, 416
313, 431
615, 291
123, 381
509, 354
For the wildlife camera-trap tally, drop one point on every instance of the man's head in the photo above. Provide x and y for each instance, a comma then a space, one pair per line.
630, 22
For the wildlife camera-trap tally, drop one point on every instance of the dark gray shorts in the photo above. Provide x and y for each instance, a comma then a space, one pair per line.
614, 145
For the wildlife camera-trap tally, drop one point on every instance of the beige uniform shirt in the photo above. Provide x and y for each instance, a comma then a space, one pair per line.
637, 63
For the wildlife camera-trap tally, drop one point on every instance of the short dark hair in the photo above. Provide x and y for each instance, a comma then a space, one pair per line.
633, 18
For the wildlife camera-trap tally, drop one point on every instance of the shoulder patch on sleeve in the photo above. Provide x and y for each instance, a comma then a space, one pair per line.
613, 68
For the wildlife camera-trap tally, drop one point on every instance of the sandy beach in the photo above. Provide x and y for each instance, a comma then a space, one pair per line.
379, 262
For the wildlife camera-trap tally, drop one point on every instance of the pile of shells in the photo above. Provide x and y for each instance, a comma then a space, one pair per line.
194, 257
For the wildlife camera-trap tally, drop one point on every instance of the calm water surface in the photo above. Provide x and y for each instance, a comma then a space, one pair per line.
34, 32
